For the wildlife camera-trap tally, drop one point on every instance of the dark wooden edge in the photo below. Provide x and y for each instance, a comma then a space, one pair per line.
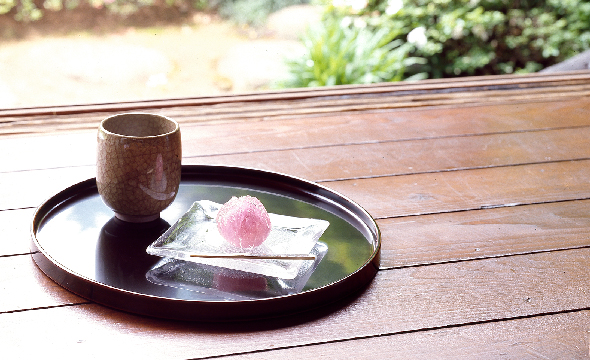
431, 85
216, 310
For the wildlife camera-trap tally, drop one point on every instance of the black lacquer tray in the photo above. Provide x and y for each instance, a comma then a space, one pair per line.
78, 243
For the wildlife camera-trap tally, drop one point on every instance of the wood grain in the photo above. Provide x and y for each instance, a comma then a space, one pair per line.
14, 227
547, 148
28, 287
311, 102
246, 137
406, 157
391, 196
417, 194
46, 152
543, 337
399, 301
484, 233
39, 185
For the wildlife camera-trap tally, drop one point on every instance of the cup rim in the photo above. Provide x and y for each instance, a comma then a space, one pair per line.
176, 126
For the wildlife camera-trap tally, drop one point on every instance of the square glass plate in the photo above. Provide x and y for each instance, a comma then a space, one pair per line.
195, 238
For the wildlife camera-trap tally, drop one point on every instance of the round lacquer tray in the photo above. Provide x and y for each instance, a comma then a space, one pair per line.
77, 242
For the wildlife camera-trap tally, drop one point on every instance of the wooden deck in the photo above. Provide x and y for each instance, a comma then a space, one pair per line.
480, 187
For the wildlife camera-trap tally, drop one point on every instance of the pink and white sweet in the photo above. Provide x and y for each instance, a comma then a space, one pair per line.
243, 222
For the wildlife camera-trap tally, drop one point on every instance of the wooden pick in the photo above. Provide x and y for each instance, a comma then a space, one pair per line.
258, 257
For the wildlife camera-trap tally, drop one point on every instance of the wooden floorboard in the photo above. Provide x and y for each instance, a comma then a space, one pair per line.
562, 336
484, 233
14, 228
46, 152
29, 287
389, 196
419, 194
380, 159
397, 302
414, 156
244, 136
42, 185
204, 140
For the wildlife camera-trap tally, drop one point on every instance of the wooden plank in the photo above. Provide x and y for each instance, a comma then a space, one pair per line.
46, 152
14, 227
205, 140
330, 106
28, 287
249, 136
414, 156
40, 185
383, 197
428, 193
399, 301
561, 336
485, 233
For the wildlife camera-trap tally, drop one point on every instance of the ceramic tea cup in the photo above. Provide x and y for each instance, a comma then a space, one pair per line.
138, 164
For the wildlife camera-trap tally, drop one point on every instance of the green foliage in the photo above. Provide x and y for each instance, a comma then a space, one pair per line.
341, 53
6, 5
24, 9
455, 37
484, 37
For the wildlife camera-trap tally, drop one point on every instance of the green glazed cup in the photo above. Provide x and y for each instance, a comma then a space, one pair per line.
138, 164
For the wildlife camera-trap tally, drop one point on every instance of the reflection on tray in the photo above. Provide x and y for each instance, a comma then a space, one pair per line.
120, 257
229, 284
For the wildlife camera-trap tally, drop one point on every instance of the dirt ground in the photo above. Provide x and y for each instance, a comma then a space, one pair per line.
199, 57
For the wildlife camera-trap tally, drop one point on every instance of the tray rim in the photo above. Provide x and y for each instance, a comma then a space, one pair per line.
199, 310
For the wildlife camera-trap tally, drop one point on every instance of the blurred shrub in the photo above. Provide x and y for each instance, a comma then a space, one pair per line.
31, 10
342, 52
250, 12
439, 38
24, 10
483, 37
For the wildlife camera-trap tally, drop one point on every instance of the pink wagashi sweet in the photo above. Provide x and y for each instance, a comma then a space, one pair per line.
243, 221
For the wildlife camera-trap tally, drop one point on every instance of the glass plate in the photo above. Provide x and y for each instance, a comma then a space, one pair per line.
194, 237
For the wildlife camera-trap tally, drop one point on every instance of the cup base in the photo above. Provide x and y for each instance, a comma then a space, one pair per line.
137, 218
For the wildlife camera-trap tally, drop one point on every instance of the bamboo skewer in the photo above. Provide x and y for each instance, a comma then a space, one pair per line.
257, 257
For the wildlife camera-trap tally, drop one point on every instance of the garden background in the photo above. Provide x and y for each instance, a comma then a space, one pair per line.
56, 52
